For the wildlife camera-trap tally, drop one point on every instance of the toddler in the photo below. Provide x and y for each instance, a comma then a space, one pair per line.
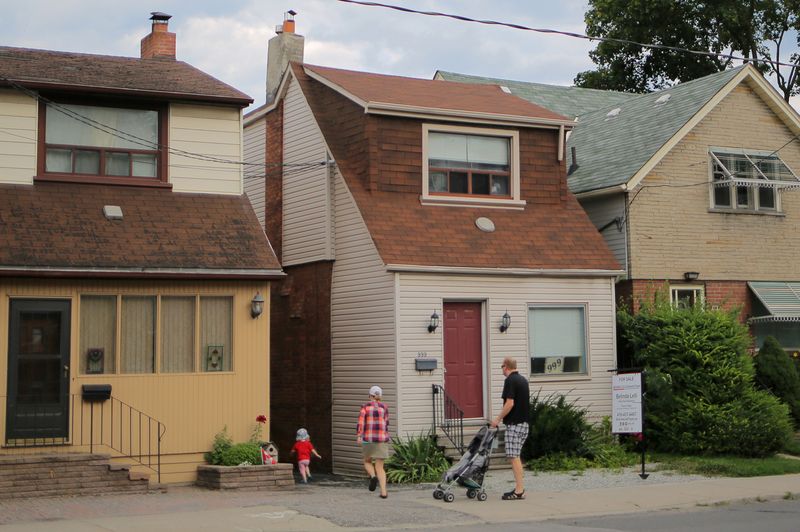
304, 449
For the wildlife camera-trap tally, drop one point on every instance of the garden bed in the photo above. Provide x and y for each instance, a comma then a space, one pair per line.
248, 477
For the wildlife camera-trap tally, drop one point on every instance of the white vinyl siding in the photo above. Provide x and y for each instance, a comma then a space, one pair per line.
210, 131
18, 130
603, 210
255, 140
420, 293
306, 190
362, 330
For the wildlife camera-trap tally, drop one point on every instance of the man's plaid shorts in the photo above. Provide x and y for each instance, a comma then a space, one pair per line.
515, 438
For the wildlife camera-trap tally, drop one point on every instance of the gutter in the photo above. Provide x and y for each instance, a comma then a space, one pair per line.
515, 272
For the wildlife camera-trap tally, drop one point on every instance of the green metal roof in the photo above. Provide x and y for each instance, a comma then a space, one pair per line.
781, 299
611, 149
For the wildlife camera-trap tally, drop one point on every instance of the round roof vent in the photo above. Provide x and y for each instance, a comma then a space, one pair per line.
485, 224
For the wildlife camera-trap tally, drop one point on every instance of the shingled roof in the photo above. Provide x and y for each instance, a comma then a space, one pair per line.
546, 236
151, 78
380, 91
60, 229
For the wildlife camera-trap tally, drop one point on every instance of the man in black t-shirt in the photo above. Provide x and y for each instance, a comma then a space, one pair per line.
516, 399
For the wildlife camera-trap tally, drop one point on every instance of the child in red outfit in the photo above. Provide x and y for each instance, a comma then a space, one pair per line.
304, 449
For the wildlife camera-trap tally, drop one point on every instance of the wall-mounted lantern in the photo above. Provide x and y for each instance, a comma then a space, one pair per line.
505, 322
691, 276
257, 305
434, 322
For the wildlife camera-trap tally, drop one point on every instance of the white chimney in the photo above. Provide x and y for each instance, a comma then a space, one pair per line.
286, 46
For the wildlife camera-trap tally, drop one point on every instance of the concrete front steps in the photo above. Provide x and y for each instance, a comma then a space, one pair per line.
497, 460
52, 475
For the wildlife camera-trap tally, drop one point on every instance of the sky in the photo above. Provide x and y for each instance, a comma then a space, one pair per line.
228, 39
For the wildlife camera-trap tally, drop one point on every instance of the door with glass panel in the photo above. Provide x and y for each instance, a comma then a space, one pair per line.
38, 369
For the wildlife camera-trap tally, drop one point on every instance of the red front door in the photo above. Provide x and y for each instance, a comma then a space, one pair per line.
463, 357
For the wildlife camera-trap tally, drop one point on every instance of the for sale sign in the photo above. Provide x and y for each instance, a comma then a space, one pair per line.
626, 413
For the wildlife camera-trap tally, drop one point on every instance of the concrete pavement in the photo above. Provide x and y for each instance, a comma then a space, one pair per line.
348, 505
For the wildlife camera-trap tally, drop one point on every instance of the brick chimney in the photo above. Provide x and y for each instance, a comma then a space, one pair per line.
286, 46
160, 44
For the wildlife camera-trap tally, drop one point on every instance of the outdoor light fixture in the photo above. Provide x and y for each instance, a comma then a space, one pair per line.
434, 322
691, 276
506, 322
257, 305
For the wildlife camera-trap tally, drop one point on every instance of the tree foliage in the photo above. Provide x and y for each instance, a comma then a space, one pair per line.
754, 29
776, 372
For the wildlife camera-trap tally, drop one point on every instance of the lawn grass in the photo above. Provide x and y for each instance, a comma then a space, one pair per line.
725, 466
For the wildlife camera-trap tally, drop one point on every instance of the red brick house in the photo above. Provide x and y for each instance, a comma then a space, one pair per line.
395, 202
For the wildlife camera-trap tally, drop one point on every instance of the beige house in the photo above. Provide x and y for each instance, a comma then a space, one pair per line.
695, 188
130, 260
424, 241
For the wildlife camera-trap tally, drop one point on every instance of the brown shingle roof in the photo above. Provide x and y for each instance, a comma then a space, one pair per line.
553, 234
434, 94
162, 78
62, 226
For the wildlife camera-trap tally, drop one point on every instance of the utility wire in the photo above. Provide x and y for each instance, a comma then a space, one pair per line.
566, 33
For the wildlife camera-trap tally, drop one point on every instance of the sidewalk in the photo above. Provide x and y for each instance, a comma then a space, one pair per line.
348, 505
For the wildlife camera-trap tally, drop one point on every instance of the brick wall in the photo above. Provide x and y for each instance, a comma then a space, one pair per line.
273, 201
725, 295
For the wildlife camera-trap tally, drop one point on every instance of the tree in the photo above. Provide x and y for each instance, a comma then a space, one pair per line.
753, 29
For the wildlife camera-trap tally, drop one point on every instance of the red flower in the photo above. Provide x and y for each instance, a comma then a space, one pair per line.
261, 418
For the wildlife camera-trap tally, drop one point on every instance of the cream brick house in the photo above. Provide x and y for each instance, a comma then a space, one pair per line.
695, 187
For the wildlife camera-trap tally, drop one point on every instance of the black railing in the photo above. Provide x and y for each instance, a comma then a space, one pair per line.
448, 417
112, 424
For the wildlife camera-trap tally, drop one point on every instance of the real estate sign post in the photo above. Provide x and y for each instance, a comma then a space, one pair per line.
627, 407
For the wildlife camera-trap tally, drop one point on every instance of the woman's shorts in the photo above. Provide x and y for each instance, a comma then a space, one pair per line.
375, 450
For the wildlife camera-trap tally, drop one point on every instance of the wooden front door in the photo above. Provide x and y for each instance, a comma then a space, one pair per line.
38, 369
463, 356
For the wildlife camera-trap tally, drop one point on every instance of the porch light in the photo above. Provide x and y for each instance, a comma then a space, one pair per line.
434, 322
691, 276
505, 322
257, 305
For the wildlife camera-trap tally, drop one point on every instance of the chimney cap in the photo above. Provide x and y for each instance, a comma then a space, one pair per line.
158, 16
292, 12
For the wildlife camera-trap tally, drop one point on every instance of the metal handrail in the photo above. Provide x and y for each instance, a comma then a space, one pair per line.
448, 416
119, 427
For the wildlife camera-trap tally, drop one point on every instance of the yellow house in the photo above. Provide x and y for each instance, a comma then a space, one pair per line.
134, 275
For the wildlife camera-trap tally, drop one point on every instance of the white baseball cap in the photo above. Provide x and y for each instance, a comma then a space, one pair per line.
376, 391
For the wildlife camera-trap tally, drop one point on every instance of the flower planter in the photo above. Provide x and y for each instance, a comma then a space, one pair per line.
251, 477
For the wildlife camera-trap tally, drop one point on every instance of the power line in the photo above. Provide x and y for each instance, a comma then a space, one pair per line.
566, 33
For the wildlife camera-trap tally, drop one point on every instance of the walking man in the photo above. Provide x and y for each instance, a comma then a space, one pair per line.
516, 399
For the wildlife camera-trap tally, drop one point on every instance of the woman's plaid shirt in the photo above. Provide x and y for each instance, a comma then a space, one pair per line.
373, 422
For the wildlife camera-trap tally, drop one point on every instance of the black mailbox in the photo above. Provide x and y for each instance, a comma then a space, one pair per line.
425, 364
95, 393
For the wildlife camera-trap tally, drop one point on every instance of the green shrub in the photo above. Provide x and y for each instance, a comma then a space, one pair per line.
559, 462
222, 442
776, 372
700, 382
242, 453
417, 459
556, 426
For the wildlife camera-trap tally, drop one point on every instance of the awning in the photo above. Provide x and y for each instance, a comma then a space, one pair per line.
781, 299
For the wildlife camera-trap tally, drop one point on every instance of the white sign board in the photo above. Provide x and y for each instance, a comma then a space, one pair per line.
626, 404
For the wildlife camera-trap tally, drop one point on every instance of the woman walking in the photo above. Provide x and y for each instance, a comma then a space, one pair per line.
373, 435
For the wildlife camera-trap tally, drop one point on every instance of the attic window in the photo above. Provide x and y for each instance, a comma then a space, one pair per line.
749, 181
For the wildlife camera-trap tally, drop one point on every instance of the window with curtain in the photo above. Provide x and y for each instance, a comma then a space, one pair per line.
469, 164
177, 334
137, 337
98, 335
216, 325
90, 140
557, 340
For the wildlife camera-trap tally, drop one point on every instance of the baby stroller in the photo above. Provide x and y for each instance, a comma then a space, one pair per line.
470, 470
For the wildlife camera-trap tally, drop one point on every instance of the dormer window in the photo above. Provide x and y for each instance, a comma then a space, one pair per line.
93, 143
748, 181
470, 165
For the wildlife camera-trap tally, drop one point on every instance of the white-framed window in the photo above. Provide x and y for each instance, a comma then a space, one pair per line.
557, 339
686, 296
748, 181
470, 165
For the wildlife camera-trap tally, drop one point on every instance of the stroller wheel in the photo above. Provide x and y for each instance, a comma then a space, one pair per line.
482, 496
449, 497
438, 494
471, 493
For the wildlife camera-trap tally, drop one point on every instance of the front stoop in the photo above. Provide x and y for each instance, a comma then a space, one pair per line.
53, 475
252, 477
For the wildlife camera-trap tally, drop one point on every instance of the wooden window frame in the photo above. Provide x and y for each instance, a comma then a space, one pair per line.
698, 289
162, 163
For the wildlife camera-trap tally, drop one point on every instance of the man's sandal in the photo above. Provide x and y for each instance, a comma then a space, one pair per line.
513, 496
